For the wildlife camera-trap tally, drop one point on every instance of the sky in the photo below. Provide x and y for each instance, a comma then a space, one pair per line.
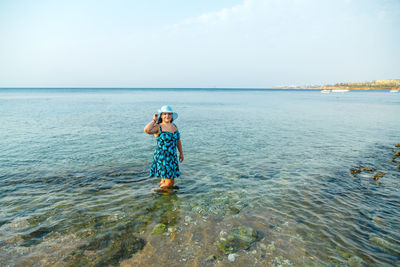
197, 44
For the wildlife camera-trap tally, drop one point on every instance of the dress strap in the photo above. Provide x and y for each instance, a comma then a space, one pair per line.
160, 128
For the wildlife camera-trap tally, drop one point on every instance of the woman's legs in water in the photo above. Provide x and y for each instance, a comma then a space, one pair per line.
167, 183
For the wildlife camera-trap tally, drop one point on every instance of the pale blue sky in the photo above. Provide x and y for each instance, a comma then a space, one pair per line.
177, 43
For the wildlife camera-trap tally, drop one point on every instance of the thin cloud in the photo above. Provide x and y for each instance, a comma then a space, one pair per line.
225, 15
300, 41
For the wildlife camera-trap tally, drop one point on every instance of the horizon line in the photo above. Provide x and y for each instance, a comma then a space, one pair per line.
258, 88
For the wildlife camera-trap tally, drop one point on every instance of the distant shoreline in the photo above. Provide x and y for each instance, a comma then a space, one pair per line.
360, 88
375, 85
339, 87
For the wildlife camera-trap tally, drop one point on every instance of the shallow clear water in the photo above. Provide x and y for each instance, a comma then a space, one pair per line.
74, 186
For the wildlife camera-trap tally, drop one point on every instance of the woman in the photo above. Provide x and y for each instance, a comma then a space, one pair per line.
165, 161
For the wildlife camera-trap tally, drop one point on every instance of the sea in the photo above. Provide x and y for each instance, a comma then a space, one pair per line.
269, 178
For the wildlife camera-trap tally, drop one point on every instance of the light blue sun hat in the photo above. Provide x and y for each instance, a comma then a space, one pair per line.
167, 109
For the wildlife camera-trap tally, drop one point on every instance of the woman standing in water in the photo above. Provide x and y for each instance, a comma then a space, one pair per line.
165, 161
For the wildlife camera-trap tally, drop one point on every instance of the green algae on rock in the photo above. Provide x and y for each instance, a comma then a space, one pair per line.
240, 237
159, 229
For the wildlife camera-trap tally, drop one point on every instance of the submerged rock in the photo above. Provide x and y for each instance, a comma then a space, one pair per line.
172, 229
188, 219
159, 229
36, 236
240, 237
263, 246
233, 210
211, 258
355, 261
278, 261
105, 250
223, 235
227, 203
345, 253
232, 257
378, 222
384, 244
271, 246
199, 210
3, 222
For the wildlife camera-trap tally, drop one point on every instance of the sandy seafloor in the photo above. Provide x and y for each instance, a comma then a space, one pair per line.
266, 179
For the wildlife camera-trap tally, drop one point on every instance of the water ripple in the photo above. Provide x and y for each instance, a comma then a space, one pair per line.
74, 179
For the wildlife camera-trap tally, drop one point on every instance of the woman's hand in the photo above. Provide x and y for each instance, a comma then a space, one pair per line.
179, 146
155, 117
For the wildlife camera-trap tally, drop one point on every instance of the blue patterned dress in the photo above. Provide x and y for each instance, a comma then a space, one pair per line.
165, 161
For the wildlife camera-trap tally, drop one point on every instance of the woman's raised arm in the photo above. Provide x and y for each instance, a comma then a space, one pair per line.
152, 127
